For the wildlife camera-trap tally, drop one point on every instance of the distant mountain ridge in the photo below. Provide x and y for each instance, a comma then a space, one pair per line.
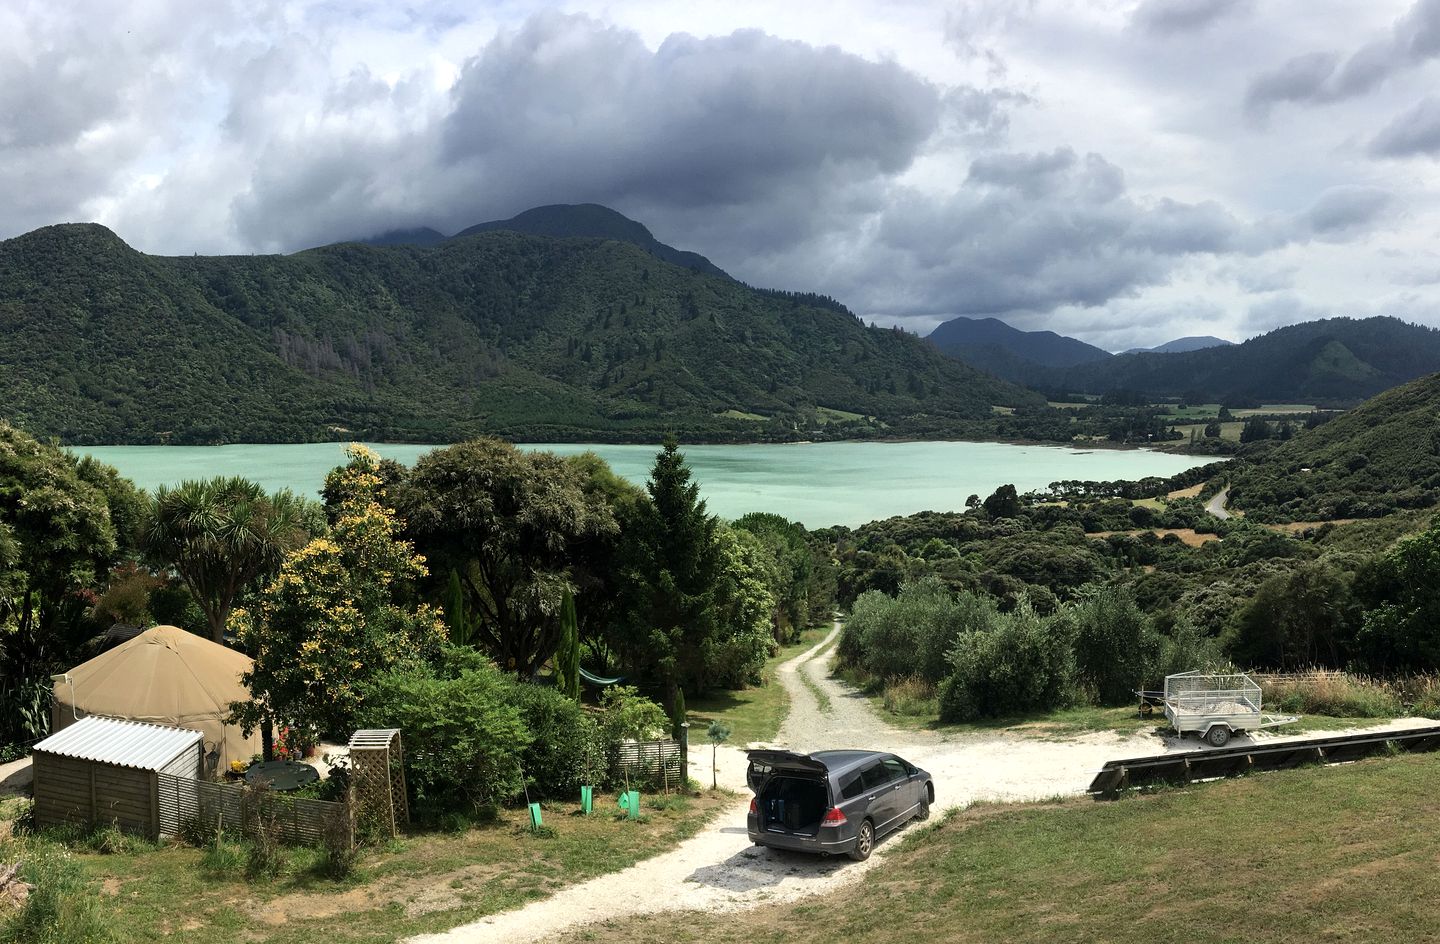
528, 337
1182, 345
1339, 360
1024, 357
1041, 347
563, 221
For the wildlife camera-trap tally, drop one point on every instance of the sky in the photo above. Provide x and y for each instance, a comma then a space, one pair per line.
1123, 172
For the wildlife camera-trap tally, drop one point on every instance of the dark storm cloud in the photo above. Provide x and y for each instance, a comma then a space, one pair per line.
697, 121
1032, 233
1164, 17
565, 109
1328, 76
1416, 131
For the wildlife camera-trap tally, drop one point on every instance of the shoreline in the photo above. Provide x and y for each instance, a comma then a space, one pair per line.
882, 440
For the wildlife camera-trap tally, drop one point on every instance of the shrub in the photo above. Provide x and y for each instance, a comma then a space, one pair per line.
912, 633
337, 854
1022, 665
264, 858
565, 749
1186, 649
626, 715
464, 738
1116, 648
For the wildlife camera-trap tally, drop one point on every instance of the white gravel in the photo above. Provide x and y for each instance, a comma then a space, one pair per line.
719, 870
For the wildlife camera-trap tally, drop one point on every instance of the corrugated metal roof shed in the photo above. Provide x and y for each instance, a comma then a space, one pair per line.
122, 743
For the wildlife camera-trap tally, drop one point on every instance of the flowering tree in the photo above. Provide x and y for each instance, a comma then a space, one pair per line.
339, 612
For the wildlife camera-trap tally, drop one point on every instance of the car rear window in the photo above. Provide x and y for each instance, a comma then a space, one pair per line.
851, 786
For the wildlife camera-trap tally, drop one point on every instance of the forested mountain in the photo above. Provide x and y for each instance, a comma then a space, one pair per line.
988, 343
499, 332
592, 221
1381, 456
1334, 360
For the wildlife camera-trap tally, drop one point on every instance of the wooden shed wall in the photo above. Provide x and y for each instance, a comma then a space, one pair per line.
69, 790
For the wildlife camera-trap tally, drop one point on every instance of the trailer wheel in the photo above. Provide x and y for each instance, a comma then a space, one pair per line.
1218, 735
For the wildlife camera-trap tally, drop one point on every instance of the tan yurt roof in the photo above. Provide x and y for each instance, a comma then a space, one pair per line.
165, 675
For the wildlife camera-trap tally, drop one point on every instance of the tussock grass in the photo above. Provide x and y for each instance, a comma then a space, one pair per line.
911, 697
1342, 695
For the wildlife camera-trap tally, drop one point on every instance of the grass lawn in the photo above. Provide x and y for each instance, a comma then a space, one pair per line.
1315, 854
753, 714
1154, 504
421, 883
825, 414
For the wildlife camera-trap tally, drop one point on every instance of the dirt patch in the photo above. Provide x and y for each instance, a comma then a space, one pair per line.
1188, 536
1191, 492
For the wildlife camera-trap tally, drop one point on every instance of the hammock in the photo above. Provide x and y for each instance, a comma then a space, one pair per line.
597, 680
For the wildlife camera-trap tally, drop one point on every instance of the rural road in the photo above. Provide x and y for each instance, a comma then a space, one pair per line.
1216, 505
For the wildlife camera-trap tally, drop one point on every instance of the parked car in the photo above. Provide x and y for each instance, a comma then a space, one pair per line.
833, 801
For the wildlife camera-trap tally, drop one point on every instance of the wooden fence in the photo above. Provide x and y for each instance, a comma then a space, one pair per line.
299, 821
653, 763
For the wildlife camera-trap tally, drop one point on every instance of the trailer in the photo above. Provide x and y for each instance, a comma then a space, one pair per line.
1216, 706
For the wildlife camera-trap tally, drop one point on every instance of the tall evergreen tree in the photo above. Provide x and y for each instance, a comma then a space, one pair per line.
680, 564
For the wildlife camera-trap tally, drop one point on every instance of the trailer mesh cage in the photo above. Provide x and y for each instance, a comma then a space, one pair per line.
1198, 693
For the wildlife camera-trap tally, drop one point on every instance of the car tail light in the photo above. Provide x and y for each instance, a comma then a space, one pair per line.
833, 817
754, 807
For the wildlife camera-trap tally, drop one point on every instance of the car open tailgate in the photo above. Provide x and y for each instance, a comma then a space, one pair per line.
765, 762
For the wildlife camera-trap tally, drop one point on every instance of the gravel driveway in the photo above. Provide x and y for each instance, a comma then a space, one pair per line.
719, 869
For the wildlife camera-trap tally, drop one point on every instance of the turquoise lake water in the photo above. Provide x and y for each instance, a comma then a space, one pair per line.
817, 484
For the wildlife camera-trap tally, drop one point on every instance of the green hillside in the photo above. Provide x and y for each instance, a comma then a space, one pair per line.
1382, 456
1334, 360
522, 336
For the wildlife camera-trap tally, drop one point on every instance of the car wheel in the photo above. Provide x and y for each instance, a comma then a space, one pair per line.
864, 842
1218, 736
922, 812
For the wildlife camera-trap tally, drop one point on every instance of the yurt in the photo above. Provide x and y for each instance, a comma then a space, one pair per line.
163, 676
